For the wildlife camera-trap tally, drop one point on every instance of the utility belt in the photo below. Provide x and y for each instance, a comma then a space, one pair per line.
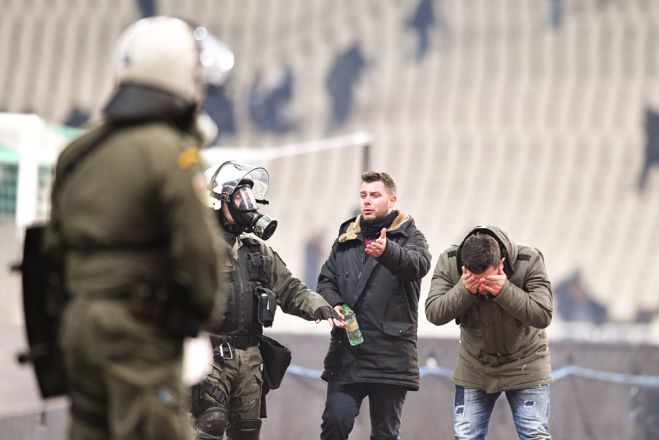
223, 345
162, 301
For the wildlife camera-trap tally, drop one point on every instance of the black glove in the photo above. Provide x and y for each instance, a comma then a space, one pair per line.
325, 312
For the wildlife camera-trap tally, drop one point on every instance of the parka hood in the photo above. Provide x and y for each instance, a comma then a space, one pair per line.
509, 250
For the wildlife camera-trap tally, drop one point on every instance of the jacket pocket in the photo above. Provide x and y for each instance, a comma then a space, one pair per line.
470, 319
399, 320
404, 330
515, 334
334, 356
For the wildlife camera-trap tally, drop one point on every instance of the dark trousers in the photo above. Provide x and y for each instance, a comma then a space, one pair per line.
342, 407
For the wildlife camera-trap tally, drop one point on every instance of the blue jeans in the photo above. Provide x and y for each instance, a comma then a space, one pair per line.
530, 408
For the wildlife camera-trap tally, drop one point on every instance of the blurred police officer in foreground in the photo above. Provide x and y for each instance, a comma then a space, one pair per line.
229, 398
139, 250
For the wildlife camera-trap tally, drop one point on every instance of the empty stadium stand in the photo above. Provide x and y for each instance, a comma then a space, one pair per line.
529, 115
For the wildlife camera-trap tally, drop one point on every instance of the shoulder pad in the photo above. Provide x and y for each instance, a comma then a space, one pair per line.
527, 253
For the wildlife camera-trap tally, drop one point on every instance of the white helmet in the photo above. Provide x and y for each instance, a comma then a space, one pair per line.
168, 54
223, 179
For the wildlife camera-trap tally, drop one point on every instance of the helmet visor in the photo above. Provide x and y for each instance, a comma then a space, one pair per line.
216, 58
227, 177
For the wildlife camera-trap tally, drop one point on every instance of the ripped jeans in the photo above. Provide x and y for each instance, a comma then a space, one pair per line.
530, 408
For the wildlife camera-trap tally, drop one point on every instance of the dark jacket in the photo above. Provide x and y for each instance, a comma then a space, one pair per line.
503, 345
384, 293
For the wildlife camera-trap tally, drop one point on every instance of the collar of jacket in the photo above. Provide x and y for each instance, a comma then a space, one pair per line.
241, 240
352, 233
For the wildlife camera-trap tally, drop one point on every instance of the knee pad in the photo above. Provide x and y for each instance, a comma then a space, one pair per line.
247, 429
211, 424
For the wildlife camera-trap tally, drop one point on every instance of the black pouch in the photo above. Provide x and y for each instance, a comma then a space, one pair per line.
267, 305
276, 359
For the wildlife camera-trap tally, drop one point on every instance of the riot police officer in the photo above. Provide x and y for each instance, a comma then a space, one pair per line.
131, 230
230, 396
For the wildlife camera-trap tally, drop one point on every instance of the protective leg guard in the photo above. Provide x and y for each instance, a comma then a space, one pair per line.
247, 429
211, 424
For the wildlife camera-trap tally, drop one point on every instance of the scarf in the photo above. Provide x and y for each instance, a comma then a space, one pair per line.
372, 228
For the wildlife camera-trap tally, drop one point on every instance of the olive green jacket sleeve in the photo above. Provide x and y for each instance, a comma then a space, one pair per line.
532, 305
293, 296
448, 298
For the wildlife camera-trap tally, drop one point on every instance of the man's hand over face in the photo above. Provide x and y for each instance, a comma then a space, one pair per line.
489, 282
470, 281
492, 284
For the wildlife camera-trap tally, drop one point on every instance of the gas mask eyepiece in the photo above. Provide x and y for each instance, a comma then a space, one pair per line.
244, 210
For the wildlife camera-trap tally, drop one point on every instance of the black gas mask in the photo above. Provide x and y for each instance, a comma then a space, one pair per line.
243, 208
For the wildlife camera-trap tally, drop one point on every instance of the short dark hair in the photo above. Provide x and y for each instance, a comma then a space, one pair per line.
479, 252
380, 176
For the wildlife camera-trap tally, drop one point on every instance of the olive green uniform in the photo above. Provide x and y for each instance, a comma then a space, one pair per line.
132, 211
234, 386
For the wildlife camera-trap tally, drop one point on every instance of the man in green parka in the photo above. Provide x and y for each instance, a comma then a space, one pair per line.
139, 251
499, 293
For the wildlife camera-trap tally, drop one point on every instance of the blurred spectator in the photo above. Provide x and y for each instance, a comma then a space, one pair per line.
147, 7
575, 303
220, 108
651, 147
341, 80
268, 100
422, 23
555, 13
313, 254
645, 316
77, 118
644, 413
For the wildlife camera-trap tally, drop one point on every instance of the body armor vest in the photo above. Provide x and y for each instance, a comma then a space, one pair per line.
251, 270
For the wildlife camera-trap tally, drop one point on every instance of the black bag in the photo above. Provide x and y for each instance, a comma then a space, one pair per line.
44, 298
276, 359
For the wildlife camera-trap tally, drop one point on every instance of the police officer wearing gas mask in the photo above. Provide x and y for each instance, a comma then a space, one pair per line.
229, 398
